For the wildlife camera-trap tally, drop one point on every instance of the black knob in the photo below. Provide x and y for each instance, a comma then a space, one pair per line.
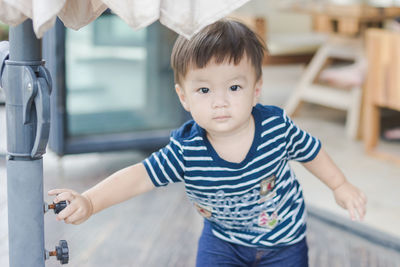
62, 252
58, 207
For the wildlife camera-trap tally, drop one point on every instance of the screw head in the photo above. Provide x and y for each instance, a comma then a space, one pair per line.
29, 87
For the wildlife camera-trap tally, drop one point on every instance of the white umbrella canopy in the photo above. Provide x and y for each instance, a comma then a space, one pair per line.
186, 17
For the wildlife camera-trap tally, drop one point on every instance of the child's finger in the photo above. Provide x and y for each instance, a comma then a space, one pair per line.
66, 213
79, 221
361, 209
361, 201
363, 197
54, 192
361, 214
67, 195
71, 219
75, 218
356, 210
352, 212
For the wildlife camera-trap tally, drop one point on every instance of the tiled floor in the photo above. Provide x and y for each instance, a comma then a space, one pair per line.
142, 230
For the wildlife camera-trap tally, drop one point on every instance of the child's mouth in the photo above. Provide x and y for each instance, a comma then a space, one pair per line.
221, 118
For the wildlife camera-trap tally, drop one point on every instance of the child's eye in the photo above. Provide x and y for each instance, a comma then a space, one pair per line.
204, 90
235, 87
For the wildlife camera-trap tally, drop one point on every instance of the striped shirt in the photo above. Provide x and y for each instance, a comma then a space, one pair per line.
257, 202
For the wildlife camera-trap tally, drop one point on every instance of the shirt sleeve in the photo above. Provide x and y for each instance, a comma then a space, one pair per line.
166, 165
300, 145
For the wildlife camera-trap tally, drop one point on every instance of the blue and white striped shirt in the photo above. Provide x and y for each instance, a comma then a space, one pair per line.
257, 202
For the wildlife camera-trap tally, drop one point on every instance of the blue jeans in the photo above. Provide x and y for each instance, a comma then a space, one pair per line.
214, 252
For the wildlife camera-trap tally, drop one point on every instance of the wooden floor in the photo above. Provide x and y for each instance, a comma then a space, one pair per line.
159, 228
333, 243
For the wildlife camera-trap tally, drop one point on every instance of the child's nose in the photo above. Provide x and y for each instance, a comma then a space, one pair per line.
220, 99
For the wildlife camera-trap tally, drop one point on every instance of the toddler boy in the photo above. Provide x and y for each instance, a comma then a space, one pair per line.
233, 158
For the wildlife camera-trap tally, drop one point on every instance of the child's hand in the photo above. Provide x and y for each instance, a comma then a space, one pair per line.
79, 209
351, 198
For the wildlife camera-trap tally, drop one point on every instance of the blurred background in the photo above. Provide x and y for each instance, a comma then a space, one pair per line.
333, 65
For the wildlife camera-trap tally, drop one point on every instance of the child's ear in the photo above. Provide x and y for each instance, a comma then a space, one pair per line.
181, 94
257, 91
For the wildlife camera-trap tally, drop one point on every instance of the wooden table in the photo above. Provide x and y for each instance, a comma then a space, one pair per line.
346, 20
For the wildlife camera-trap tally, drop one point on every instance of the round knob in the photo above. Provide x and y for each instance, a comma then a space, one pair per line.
58, 207
61, 252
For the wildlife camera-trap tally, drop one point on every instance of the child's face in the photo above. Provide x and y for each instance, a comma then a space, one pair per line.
220, 97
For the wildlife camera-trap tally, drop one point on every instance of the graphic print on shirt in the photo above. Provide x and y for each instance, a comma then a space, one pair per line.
232, 212
265, 219
266, 189
268, 220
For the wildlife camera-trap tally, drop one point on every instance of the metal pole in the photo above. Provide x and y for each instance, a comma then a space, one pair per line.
27, 132
24, 46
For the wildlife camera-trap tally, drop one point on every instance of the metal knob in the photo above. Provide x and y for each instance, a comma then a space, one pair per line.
57, 207
61, 252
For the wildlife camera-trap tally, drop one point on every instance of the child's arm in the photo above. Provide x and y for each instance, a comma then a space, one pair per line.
118, 187
346, 195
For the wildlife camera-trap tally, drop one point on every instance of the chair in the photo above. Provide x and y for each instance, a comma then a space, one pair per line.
347, 98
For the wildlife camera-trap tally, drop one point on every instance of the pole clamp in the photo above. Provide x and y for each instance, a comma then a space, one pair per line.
32, 95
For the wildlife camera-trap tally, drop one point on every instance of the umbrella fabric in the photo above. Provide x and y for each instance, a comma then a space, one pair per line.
185, 17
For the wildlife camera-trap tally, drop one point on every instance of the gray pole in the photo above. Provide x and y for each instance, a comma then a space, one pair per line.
27, 89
